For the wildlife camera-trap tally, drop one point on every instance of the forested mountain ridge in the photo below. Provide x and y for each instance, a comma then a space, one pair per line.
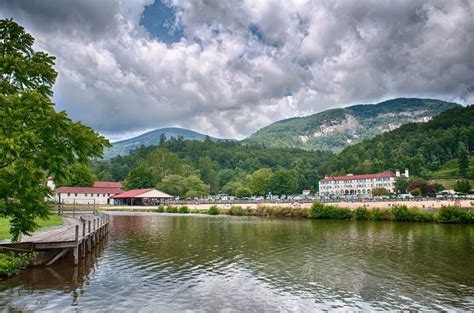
188, 167
153, 137
422, 148
336, 129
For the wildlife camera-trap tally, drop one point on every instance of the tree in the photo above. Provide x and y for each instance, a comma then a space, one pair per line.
401, 184
425, 187
463, 159
208, 172
174, 185
35, 140
462, 186
80, 175
380, 191
283, 183
415, 192
243, 192
260, 181
194, 183
139, 178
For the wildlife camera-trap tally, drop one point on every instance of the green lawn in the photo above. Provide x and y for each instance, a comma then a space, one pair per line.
53, 220
451, 170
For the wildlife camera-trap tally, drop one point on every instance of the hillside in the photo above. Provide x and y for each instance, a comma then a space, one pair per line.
425, 148
336, 129
124, 147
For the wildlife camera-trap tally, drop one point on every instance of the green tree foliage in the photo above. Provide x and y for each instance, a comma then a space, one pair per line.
463, 160
462, 186
421, 147
401, 184
79, 175
260, 181
380, 191
283, 182
242, 192
35, 140
139, 178
208, 172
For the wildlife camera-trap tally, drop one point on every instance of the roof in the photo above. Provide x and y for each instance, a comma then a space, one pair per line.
363, 176
108, 184
88, 190
142, 193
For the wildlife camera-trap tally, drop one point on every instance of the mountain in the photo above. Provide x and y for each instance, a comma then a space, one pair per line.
336, 129
423, 148
124, 147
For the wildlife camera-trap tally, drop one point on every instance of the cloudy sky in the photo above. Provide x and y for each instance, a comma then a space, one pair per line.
227, 68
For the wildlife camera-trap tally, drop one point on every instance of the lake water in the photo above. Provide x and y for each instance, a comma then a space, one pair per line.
222, 263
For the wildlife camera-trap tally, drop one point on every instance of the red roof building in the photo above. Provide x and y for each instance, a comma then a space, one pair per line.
108, 184
359, 184
147, 196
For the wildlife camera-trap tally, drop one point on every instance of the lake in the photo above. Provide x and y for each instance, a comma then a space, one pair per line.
159, 262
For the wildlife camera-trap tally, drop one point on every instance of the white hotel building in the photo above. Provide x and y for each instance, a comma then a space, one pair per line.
359, 184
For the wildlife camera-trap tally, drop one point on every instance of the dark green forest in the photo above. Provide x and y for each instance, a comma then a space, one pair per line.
193, 168
423, 147
184, 167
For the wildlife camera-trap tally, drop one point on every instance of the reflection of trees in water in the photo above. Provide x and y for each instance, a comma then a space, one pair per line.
350, 257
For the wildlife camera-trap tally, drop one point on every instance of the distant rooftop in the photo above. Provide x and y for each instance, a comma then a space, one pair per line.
363, 176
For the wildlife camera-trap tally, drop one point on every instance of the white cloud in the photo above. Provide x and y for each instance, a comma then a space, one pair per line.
231, 72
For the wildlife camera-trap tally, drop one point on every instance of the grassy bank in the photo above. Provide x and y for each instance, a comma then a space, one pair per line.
400, 213
53, 220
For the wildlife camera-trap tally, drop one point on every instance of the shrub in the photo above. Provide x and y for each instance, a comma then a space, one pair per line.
237, 210
380, 191
213, 210
183, 209
420, 216
400, 213
452, 214
171, 209
321, 211
11, 263
361, 214
415, 192
160, 209
462, 186
379, 215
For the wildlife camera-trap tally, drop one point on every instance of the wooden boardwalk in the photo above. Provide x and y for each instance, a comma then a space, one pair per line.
80, 237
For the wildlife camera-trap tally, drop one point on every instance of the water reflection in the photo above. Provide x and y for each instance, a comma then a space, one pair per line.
217, 263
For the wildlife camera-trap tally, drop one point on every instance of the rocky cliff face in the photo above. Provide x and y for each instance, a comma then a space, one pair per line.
335, 129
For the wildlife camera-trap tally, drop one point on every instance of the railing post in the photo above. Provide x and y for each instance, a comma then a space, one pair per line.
93, 223
76, 233
83, 229
89, 225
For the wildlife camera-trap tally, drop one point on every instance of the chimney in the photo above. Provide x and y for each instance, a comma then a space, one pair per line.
397, 173
406, 173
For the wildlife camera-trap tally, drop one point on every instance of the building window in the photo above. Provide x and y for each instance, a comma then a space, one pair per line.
75, 195
103, 195
98, 195
68, 194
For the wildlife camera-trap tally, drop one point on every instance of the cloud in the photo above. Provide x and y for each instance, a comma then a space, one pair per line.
233, 68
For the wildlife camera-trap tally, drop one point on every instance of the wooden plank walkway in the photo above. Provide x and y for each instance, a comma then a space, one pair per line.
80, 236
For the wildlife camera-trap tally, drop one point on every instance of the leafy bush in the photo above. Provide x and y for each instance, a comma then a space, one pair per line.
11, 263
361, 214
379, 215
183, 209
420, 216
453, 214
321, 211
400, 213
237, 210
213, 210
462, 186
160, 209
171, 209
